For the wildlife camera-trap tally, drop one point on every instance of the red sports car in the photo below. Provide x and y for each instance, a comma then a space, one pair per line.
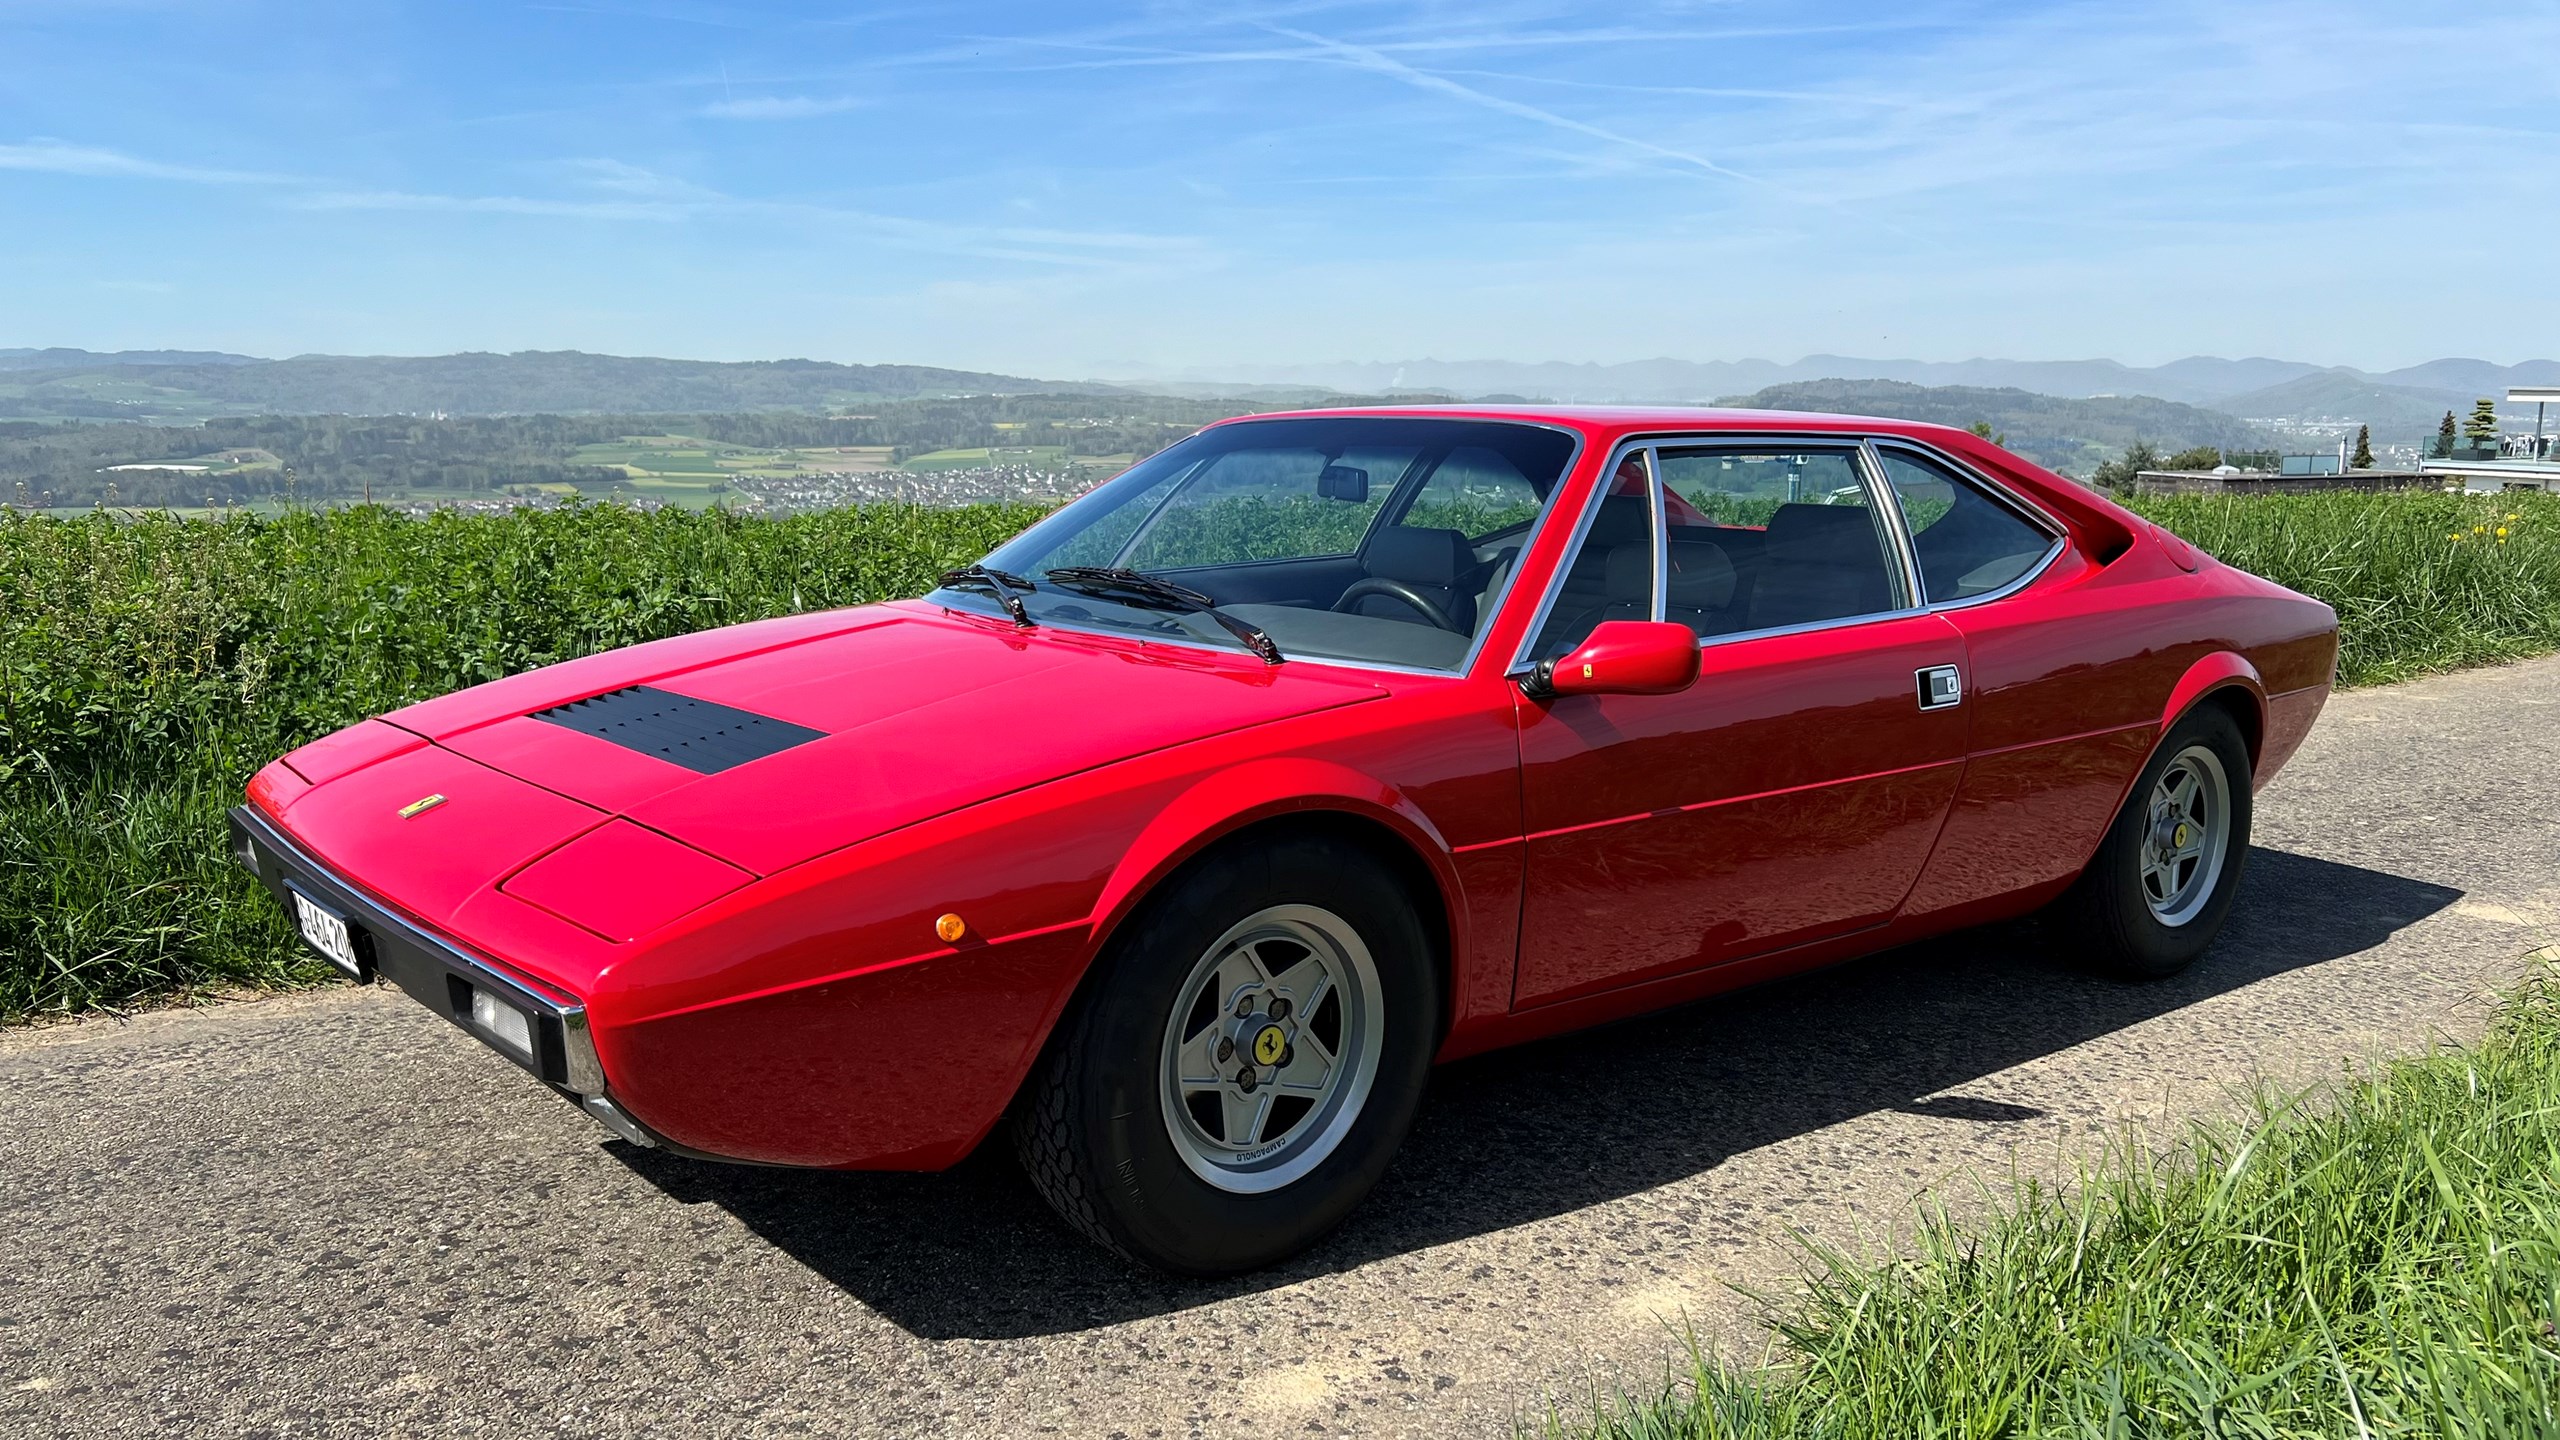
1190, 828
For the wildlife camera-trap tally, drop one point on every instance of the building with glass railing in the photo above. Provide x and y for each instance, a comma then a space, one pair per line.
2513, 460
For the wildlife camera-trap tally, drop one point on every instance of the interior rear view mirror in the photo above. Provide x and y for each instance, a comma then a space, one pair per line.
1622, 657
1343, 482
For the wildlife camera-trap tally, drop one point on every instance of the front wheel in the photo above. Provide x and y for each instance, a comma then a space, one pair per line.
2164, 877
1244, 1063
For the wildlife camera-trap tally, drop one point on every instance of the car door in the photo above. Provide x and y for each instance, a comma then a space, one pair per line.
1793, 793
2063, 709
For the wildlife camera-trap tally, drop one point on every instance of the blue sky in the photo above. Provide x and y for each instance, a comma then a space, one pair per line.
1091, 190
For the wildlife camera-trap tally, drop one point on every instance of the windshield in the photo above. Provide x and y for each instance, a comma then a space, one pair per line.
1378, 539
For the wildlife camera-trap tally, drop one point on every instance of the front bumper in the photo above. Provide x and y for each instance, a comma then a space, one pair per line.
437, 973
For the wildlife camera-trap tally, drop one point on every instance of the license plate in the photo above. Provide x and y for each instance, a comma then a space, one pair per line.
328, 932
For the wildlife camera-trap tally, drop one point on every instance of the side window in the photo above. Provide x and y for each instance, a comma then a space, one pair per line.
1264, 504
1760, 539
1474, 492
1968, 543
1611, 576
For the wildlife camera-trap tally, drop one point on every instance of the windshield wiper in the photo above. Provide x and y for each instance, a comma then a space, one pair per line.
1126, 584
999, 583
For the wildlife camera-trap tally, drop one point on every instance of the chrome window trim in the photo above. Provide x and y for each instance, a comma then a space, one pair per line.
1493, 603
1521, 664
2057, 534
1657, 526
1897, 526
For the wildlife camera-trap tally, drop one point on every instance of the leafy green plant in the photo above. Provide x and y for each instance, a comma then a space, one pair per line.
149, 665
2421, 580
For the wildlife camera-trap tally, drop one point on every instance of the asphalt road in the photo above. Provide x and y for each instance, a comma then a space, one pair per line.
334, 1214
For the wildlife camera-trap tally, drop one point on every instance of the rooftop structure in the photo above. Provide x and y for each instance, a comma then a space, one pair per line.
2514, 462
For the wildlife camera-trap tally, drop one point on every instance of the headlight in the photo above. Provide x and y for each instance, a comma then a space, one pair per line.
502, 1024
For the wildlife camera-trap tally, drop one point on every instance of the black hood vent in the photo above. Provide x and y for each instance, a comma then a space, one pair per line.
695, 734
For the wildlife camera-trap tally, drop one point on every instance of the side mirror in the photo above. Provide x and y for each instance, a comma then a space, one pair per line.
1622, 657
1342, 482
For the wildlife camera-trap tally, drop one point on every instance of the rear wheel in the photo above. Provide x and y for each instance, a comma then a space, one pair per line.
2164, 878
1244, 1065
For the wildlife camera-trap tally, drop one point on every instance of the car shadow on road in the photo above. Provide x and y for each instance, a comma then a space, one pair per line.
1563, 1124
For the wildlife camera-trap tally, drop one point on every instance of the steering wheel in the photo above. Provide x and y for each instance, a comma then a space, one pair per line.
1400, 592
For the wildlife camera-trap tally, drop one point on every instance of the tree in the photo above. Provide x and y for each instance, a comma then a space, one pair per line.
2364, 449
2481, 427
2202, 457
2444, 432
2117, 475
1983, 429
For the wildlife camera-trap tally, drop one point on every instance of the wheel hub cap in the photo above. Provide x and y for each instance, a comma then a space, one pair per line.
1271, 1048
2185, 844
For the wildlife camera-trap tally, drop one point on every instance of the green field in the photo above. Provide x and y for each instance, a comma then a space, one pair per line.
1042, 457
688, 471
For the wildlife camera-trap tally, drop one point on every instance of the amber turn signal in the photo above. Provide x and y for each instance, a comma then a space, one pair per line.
950, 928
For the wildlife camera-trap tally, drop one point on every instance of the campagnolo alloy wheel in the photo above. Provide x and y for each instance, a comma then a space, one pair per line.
1271, 1048
1242, 1063
2163, 880
2186, 835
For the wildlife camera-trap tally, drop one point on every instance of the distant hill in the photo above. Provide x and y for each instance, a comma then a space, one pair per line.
556, 382
2398, 413
59, 358
2473, 377
1690, 381
2197, 380
2067, 435
184, 386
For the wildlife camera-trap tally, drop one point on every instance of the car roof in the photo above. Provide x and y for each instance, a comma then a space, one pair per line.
1609, 422
2105, 527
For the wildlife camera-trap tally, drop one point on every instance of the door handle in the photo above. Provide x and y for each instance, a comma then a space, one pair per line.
1940, 686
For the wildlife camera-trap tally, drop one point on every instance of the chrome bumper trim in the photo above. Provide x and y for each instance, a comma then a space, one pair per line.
432, 970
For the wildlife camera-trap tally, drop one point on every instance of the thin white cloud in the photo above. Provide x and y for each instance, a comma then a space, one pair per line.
620, 177
782, 107
1366, 58
60, 158
1116, 55
1075, 249
492, 205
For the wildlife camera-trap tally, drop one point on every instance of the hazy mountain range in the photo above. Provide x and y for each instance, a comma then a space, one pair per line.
58, 384
2065, 433
2062, 412
2197, 380
57, 358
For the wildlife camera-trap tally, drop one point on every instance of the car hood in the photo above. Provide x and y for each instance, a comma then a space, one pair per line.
766, 745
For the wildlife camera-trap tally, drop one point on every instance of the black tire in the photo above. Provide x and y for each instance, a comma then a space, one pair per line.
1092, 1129
2109, 911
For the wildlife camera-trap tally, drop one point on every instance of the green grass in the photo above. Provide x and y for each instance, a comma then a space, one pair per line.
2379, 1259
2411, 597
149, 664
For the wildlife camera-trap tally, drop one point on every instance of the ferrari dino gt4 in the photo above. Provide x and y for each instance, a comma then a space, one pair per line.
1186, 831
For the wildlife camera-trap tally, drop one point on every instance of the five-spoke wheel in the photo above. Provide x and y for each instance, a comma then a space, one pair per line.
1271, 1048
2186, 830
1244, 1061
2156, 893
